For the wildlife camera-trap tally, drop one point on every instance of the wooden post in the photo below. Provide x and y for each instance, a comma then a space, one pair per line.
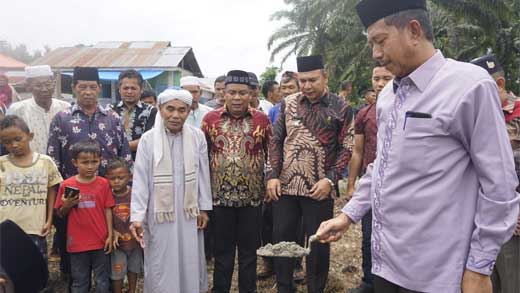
58, 85
170, 78
113, 91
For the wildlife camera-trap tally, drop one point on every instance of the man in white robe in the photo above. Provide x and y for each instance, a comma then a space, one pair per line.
169, 201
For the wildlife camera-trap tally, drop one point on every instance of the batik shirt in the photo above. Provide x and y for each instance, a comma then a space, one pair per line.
137, 121
238, 153
310, 142
74, 125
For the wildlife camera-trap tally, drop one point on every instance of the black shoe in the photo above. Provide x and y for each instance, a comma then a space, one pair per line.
362, 289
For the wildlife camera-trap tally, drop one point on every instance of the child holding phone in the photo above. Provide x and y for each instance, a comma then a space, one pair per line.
27, 183
89, 230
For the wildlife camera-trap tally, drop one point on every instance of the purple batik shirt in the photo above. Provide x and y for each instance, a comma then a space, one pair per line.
73, 125
442, 189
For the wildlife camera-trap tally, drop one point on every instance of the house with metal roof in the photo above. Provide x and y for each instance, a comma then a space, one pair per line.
161, 64
14, 69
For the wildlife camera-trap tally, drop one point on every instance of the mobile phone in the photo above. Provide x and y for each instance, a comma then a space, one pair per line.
71, 192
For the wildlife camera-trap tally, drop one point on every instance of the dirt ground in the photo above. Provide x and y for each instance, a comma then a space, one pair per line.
345, 266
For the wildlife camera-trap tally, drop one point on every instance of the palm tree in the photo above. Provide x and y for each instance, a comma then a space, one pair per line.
493, 26
463, 29
306, 29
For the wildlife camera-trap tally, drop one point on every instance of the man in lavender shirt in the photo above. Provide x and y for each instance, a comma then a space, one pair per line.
442, 187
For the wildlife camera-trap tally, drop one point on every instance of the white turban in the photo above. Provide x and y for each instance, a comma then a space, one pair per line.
38, 71
190, 81
173, 94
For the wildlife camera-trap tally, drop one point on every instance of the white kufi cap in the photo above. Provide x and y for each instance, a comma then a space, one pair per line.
190, 80
38, 71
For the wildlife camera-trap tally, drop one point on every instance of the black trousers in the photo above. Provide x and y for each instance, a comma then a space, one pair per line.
267, 223
366, 249
209, 237
236, 228
287, 214
383, 286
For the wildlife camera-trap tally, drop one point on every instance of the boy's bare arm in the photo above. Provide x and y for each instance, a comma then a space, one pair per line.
108, 218
51, 199
67, 205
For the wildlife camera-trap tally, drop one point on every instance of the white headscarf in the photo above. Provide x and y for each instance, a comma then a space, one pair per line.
174, 94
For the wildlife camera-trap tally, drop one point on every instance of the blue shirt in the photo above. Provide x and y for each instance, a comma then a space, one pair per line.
273, 113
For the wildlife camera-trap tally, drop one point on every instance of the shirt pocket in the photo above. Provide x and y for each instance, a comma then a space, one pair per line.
418, 143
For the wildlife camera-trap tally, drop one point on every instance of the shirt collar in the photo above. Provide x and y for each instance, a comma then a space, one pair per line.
77, 108
325, 99
223, 111
34, 104
122, 104
423, 75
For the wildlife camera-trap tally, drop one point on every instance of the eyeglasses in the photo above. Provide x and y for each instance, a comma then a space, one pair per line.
43, 86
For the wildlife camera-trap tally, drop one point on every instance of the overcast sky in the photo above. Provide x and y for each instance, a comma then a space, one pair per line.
225, 34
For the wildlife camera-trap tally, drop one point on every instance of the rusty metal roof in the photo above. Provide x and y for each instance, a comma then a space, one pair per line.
120, 55
10, 63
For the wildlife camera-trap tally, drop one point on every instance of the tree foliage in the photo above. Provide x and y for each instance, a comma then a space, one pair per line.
20, 52
270, 73
464, 29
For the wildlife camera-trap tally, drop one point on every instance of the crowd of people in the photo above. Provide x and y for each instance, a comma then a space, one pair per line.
160, 185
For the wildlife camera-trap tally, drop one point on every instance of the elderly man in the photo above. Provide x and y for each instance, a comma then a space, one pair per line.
506, 274
307, 155
136, 116
219, 86
87, 119
365, 143
442, 187
171, 195
238, 138
198, 111
39, 110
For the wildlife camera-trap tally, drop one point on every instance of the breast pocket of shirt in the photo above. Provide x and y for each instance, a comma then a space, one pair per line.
421, 137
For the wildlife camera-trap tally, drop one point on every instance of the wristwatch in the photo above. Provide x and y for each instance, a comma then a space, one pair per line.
330, 182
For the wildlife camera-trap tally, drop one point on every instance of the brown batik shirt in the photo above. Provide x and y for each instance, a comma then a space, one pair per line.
310, 142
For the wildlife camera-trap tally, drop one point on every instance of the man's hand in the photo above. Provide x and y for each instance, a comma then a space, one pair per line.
333, 229
202, 220
137, 231
46, 229
473, 282
274, 190
3, 281
321, 190
115, 242
108, 244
